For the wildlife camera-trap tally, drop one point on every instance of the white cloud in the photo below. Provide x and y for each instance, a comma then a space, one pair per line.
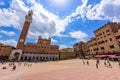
44, 22
79, 35
8, 18
63, 46
9, 33
110, 10
9, 42
105, 10
51, 24
47, 24
2, 2
54, 41
80, 11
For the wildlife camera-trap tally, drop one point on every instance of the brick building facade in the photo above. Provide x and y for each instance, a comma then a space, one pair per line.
67, 53
5, 51
106, 40
40, 51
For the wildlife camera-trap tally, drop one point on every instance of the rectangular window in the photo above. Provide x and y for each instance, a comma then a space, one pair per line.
101, 42
105, 40
96, 49
102, 48
108, 34
110, 39
107, 31
118, 37
112, 46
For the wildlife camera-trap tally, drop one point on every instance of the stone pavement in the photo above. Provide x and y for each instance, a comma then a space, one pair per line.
64, 70
8, 74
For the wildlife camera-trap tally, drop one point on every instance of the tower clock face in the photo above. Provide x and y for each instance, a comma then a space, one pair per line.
21, 40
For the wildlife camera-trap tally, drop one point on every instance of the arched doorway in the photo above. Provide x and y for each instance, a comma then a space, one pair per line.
16, 56
29, 59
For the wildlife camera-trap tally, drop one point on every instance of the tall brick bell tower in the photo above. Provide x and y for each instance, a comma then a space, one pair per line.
23, 35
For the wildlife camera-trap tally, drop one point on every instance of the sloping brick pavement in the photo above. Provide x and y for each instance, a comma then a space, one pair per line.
66, 70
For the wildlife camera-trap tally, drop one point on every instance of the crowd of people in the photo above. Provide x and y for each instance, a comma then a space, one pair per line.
13, 66
107, 62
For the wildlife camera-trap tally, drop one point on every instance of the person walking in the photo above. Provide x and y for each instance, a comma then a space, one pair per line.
83, 61
14, 67
96, 65
88, 63
97, 62
109, 64
105, 63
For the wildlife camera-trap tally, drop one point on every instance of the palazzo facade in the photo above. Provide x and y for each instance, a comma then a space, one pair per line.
40, 51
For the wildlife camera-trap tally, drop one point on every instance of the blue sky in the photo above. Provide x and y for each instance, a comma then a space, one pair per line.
65, 21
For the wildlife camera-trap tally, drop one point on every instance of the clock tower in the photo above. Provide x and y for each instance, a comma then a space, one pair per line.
23, 35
